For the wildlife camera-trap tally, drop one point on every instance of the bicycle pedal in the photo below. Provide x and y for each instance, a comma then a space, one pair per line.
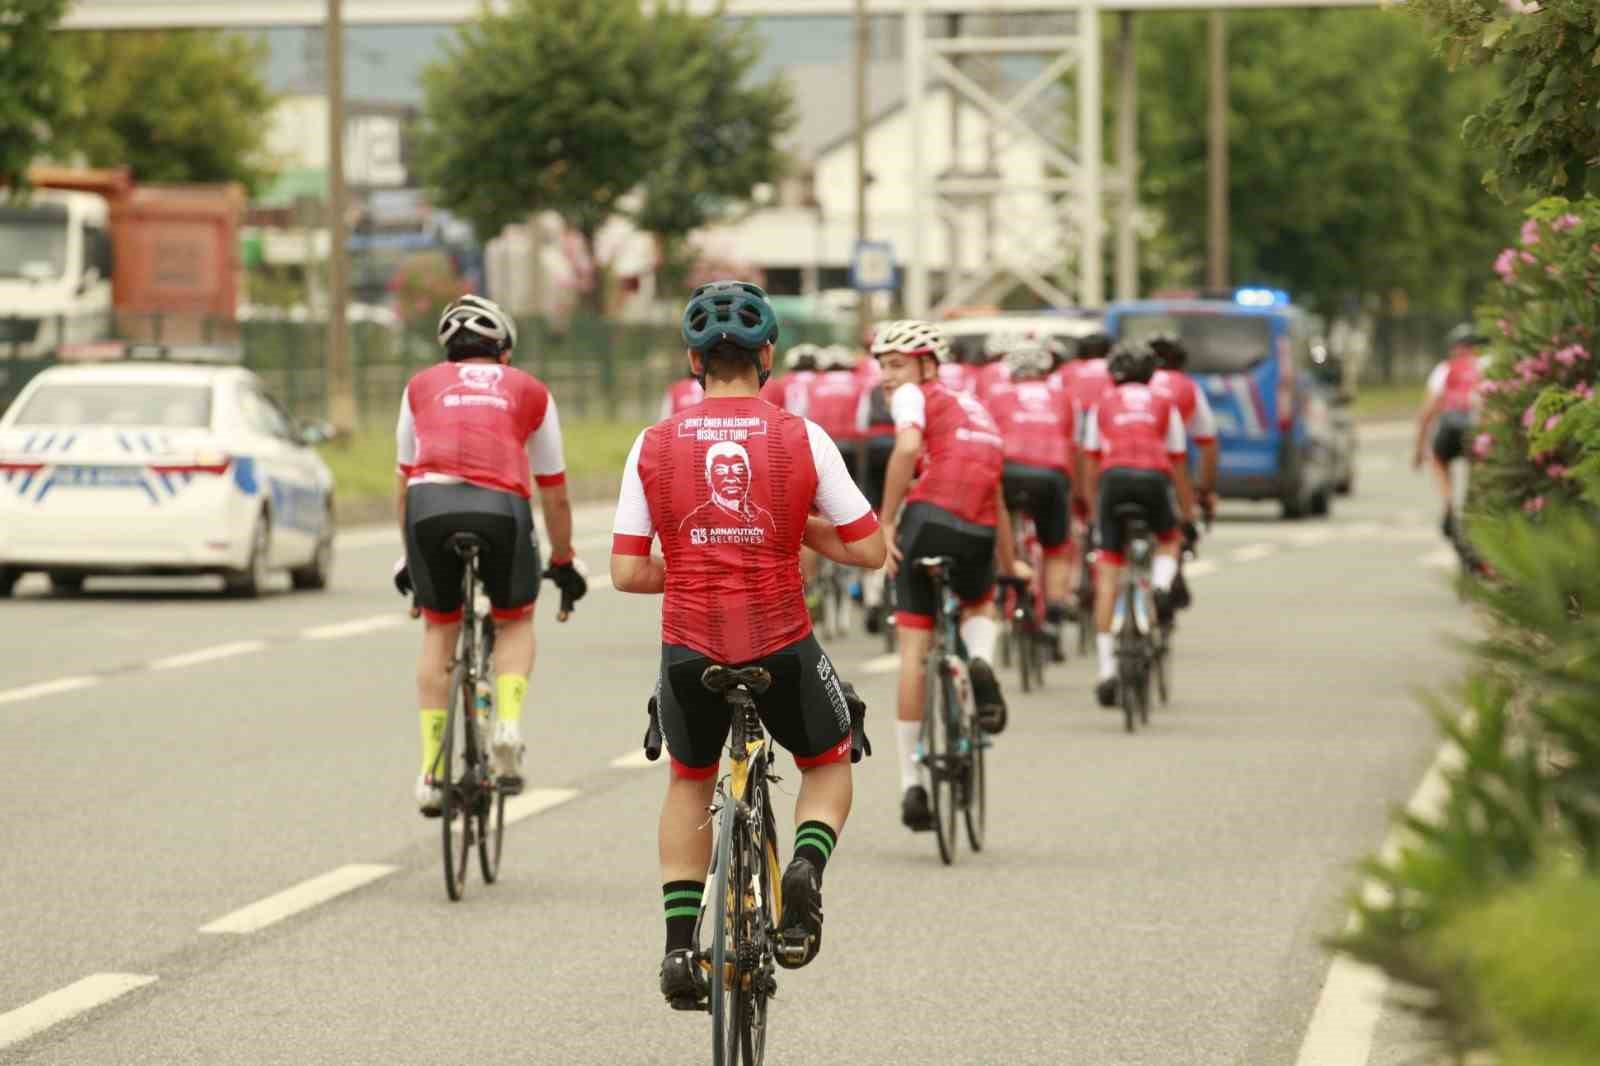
510, 785
691, 1003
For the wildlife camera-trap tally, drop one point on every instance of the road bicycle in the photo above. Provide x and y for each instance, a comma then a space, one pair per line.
1142, 643
952, 745
1024, 636
829, 598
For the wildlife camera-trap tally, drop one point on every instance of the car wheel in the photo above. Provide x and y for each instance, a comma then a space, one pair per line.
8, 581
314, 575
252, 580
66, 583
1348, 485
1322, 502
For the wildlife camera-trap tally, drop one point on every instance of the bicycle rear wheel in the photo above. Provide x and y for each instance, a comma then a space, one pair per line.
1128, 670
976, 809
491, 821
1163, 655
761, 859
939, 754
457, 803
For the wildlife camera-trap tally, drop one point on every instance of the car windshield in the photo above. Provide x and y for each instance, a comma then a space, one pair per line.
1217, 343
168, 406
33, 242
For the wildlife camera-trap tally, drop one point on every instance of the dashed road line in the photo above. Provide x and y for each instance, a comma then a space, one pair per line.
206, 655
1252, 552
536, 801
301, 897
47, 688
93, 991
356, 626
1200, 568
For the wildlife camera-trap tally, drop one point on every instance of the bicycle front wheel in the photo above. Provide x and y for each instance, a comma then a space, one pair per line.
457, 812
939, 752
727, 899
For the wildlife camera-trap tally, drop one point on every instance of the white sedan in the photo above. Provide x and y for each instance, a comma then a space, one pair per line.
141, 468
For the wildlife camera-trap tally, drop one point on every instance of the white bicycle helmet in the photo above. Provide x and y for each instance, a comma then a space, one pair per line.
836, 357
999, 345
803, 356
910, 336
1029, 359
478, 315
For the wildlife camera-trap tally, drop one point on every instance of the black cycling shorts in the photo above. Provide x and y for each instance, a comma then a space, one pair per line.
1450, 437
1151, 491
509, 568
926, 530
874, 470
1041, 493
804, 710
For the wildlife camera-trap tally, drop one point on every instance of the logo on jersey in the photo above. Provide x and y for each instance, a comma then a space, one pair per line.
483, 379
483, 376
713, 429
729, 516
841, 709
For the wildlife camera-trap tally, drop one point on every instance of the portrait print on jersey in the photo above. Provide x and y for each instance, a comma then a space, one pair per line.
729, 516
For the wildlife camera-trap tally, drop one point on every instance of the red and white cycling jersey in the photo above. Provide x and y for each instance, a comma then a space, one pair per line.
1457, 380
789, 391
833, 402
1036, 422
681, 395
1193, 406
727, 486
1135, 428
959, 377
986, 377
482, 423
1085, 380
962, 453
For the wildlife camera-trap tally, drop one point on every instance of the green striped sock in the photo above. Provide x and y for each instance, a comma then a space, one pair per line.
815, 842
682, 903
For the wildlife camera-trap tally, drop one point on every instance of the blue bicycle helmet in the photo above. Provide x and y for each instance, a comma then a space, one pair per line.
733, 311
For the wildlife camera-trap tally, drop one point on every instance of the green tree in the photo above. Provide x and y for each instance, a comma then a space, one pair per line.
33, 83
1347, 177
570, 106
1543, 129
188, 106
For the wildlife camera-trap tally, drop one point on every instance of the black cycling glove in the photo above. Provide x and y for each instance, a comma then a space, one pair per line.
402, 577
569, 579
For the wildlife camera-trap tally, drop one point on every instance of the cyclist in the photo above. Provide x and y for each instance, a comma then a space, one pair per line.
1134, 449
1452, 400
1036, 422
833, 396
729, 487
956, 509
469, 430
875, 429
1201, 426
681, 394
789, 389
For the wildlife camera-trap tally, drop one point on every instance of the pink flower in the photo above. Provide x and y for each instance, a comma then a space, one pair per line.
1530, 233
1584, 389
1552, 422
1565, 222
1505, 264
1568, 356
1481, 445
1527, 257
1556, 470
1527, 418
1533, 506
1505, 323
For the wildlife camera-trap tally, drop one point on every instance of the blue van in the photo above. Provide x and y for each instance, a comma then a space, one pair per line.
1279, 433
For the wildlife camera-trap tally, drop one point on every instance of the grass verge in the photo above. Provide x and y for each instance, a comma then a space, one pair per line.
1382, 403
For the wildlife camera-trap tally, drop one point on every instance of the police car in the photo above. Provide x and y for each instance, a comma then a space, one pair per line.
134, 468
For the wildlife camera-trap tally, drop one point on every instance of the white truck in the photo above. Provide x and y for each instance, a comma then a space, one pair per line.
55, 272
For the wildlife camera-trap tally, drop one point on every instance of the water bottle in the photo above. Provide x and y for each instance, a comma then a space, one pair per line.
483, 703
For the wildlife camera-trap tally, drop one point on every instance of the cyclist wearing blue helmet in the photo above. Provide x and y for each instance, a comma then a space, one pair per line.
729, 487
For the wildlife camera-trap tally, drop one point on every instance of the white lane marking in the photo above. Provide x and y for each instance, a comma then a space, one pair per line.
356, 626
1251, 552
1443, 559
301, 897
206, 655
1363, 529
1351, 1004
881, 664
536, 801
47, 688
635, 760
1200, 568
368, 537
93, 991
1310, 538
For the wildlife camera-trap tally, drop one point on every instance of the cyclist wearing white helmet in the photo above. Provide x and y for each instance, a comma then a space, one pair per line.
955, 509
788, 390
470, 428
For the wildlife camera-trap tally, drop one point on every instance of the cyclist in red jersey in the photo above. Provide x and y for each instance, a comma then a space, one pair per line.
875, 427
790, 389
956, 509
1036, 422
1448, 412
1200, 425
1134, 447
832, 401
469, 430
681, 394
1083, 378
729, 487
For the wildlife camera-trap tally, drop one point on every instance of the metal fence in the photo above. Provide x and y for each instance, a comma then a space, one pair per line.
595, 367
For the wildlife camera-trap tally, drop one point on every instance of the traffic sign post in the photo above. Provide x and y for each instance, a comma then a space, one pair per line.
872, 267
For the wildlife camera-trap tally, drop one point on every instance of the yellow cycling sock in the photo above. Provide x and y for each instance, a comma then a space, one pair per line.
509, 691
432, 737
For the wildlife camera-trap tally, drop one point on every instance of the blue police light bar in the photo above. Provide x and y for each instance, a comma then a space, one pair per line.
1260, 297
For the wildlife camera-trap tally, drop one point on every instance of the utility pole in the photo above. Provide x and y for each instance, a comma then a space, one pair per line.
341, 383
863, 314
1217, 155
1127, 255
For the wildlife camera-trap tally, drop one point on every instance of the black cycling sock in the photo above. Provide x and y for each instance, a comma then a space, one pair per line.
682, 901
814, 841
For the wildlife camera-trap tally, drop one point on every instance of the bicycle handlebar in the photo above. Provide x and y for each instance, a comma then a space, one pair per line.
652, 734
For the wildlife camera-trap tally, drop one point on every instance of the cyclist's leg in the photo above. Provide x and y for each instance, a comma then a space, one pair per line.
1449, 444
1049, 507
914, 616
973, 583
1161, 505
432, 514
1108, 573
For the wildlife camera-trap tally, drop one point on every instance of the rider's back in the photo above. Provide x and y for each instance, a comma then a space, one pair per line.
471, 422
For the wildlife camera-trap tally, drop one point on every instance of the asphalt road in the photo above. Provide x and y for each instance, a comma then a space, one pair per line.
172, 757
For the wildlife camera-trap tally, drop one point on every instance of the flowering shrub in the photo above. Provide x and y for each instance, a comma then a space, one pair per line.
421, 288
1540, 433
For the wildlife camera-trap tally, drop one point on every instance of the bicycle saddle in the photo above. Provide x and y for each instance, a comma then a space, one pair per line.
461, 542
1126, 514
722, 678
935, 562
